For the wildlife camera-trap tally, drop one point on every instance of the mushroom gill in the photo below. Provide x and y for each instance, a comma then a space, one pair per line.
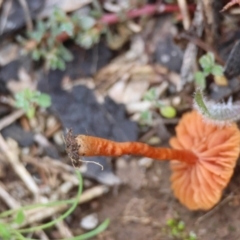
200, 185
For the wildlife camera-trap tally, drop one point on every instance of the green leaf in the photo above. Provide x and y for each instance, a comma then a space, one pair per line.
30, 112
217, 70
4, 231
211, 57
39, 33
58, 15
28, 94
43, 100
146, 117
86, 22
207, 61
67, 27
20, 217
36, 54
171, 222
175, 232
65, 54
84, 40
150, 95
181, 226
61, 64
200, 79
168, 112
192, 236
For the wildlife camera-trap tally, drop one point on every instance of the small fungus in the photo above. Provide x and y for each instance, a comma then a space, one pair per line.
200, 185
203, 155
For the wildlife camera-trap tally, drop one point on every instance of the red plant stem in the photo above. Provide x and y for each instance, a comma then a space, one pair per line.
94, 146
147, 10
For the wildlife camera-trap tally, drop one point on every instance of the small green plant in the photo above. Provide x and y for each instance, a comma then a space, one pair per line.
207, 62
217, 113
46, 40
10, 219
177, 230
28, 100
165, 111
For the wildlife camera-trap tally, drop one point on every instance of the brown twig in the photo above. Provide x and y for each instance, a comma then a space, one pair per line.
185, 14
6, 11
215, 209
7, 198
147, 10
46, 212
230, 4
18, 167
27, 14
6, 121
64, 230
50, 132
204, 46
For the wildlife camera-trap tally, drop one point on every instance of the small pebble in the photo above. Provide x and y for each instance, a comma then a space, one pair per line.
176, 101
51, 122
58, 138
145, 162
154, 141
89, 222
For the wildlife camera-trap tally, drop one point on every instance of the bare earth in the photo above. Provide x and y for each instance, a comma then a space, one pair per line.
141, 214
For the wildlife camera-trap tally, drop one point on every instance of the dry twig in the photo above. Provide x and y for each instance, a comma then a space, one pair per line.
189, 64
215, 209
6, 121
64, 230
18, 167
45, 212
7, 198
230, 4
27, 14
185, 14
5, 13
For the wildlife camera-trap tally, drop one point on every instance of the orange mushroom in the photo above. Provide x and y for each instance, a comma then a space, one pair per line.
200, 186
204, 157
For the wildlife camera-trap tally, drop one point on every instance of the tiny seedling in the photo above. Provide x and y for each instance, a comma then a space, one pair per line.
178, 231
217, 113
45, 41
11, 218
166, 111
28, 100
209, 66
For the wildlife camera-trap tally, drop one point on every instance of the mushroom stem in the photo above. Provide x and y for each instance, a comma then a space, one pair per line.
94, 146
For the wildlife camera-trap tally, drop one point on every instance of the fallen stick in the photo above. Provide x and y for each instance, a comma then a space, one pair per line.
6, 121
47, 212
7, 198
18, 167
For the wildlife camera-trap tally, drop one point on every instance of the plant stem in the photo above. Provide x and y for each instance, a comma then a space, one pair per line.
92, 233
63, 216
147, 10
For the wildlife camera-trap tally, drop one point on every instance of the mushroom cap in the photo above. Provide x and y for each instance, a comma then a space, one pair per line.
200, 186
